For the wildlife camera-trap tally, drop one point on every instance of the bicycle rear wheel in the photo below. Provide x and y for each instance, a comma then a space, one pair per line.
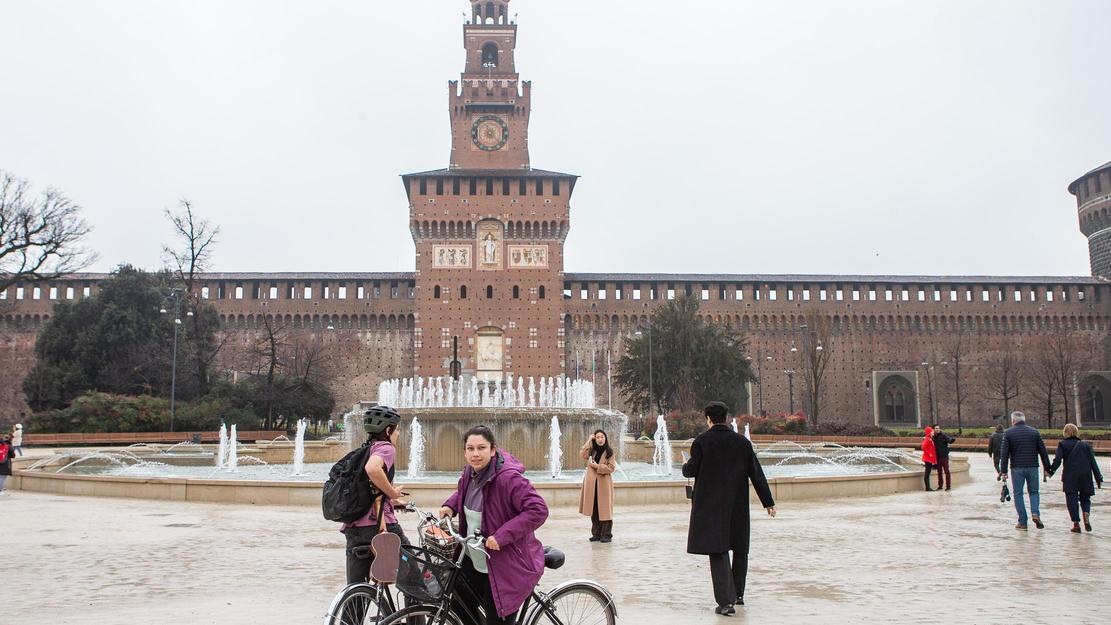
359, 604
425, 614
577, 604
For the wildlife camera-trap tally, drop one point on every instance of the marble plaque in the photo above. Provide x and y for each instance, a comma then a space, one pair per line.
528, 256
451, 256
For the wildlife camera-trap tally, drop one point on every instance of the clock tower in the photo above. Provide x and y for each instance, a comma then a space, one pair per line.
489, 228
489, 107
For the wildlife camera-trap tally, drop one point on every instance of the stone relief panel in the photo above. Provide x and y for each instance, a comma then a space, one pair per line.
451, 256
490, 245
528, 256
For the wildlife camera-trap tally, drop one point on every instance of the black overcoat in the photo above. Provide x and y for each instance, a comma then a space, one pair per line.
1080, 466
722, 463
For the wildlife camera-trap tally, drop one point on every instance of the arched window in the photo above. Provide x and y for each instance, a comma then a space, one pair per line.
463, 292
516, 292
1093, 405
489, 292
895, 404
490, 55
436, 292
542, 291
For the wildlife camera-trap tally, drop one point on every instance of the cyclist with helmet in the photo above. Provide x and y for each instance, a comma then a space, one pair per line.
381, 424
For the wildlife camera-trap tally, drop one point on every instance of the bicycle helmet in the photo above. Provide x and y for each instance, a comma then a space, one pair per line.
378, 418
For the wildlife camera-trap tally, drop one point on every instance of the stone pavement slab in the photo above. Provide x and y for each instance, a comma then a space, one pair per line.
911, 558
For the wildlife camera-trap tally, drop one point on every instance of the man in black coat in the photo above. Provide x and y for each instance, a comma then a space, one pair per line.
722, 463
941, 444
995, 447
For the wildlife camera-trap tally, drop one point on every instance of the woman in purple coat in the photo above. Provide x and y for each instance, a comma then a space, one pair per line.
494, 496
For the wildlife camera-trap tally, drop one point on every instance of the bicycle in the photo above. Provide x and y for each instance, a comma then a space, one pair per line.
428, 576
365, 603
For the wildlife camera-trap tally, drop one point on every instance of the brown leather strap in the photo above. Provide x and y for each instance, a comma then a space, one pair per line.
381, 516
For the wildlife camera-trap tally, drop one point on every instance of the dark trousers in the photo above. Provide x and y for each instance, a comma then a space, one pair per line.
1076, 503
943, 465
926, 478
599, 529
479, 583
729, 579
359, 555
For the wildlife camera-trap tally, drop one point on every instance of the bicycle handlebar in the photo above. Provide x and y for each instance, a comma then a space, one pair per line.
445, 524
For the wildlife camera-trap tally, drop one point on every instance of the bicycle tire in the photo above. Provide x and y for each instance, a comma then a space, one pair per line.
358, 604
424, 614
577, 604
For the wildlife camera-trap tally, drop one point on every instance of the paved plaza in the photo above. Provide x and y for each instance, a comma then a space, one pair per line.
910, 558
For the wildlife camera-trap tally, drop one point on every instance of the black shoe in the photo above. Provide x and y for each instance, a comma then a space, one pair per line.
606, 539
725, 610
929, 490
1037, 522
739, 601
946, 488
595, 539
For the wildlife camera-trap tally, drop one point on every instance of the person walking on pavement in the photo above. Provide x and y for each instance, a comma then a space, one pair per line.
1080, 468
17, 439
941, 447
929, 456
995, 445
1022, 448
722, 463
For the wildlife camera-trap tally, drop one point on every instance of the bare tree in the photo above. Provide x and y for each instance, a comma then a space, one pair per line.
1069, 354
814, 358
1004, 378
956, 351
195, 239
40, 236
1043, 376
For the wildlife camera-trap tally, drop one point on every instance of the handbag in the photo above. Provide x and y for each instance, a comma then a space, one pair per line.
689, 488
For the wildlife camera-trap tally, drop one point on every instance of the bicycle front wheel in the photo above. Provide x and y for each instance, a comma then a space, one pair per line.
577, 605
359, 604
425, 614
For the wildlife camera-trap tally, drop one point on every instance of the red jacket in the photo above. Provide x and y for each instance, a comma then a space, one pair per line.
929, 453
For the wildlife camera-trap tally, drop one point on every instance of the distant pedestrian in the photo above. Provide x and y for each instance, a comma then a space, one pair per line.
597, 490
17, 439
995, 446
941, 447
1022, 448
5, 462
1080, 468
929, 456
722, 464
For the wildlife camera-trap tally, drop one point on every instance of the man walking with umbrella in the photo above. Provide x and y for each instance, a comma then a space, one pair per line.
722, 464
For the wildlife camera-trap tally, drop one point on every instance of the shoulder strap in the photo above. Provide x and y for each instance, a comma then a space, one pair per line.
378, 507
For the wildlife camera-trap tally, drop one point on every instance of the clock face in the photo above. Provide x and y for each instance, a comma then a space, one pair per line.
489, 133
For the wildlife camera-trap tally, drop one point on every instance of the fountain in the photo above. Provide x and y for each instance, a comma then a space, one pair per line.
416, 450
222, 450
299, 448
440, 392
747, 434
233, 452
661, 457
555, 453
734, 424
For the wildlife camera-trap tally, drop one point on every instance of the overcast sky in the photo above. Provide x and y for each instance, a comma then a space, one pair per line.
731, 136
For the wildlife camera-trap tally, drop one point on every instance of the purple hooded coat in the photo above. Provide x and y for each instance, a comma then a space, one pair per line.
512, 510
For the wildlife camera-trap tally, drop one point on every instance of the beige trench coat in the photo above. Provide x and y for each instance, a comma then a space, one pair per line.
598, 477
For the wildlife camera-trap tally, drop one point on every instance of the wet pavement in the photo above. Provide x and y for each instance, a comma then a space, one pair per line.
910, 558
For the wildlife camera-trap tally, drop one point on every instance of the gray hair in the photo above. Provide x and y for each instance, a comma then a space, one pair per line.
1018, 417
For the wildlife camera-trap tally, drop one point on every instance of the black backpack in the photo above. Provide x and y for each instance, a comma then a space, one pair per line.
349, 493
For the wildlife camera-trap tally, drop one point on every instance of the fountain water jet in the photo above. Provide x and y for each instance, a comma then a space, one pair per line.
555, 452
233, 452
222, 450
299, 448
661, 456
416, 450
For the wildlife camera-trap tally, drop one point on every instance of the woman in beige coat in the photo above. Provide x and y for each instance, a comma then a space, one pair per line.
597, 491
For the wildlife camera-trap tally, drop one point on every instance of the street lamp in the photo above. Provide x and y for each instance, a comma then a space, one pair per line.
175, 294
760, 358
651, 388
791, 388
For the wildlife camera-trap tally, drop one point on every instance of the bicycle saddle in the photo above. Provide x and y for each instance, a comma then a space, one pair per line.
553, 558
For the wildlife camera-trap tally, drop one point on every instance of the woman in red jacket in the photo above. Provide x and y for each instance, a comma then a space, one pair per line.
929, 454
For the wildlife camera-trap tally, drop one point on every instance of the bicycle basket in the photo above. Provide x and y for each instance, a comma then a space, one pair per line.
423, 574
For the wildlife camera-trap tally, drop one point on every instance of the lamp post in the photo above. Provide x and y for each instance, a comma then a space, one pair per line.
651, 388
175, 294
760, 358
791, 387
811, 358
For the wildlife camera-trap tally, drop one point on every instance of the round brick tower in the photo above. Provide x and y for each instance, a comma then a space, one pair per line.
1093, 202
